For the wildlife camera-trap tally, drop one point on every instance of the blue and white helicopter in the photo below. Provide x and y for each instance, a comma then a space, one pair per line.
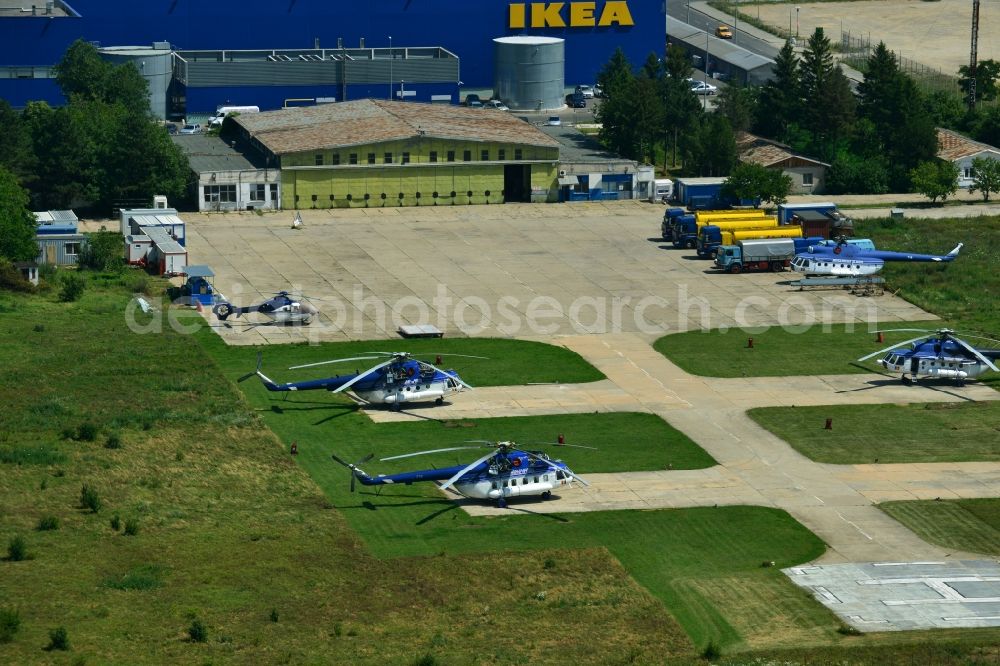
845, 259
505, 472
397, 379
282, 309
940, 356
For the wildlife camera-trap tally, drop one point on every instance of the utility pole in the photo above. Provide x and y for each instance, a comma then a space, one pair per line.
391, 58
973, 55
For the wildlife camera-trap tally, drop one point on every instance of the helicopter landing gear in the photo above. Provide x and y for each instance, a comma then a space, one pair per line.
547, 495
501, 503
395, 407
439, 401
909, 381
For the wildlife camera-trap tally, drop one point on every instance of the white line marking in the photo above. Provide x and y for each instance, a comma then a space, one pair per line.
865, 534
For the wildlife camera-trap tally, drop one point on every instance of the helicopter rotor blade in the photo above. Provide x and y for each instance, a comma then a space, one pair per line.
890, 347
421, 453
353, 467
362, 376
449, 376
565, 470
260, 359
975, 352
336, 360
447, 484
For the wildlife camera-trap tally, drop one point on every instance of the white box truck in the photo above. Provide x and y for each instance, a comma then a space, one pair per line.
661, 191
223, 111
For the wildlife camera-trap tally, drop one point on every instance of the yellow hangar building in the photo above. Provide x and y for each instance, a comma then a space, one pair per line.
373, 153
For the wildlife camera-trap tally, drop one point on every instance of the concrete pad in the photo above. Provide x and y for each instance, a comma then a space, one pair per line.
903, 596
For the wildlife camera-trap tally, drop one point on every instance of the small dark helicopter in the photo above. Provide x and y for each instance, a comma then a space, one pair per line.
397, 379
940, 356
282, 309
505, 472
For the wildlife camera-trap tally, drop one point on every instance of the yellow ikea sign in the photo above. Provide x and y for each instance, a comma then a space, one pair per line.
579, 15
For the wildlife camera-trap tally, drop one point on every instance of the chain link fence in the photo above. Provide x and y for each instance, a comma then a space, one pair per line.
856, 50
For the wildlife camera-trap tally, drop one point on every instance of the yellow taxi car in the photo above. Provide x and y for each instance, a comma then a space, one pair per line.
724, 32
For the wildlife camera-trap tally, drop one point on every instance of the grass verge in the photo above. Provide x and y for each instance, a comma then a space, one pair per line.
919, 432
969, 524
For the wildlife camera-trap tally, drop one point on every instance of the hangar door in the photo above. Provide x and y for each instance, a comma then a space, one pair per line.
517, 183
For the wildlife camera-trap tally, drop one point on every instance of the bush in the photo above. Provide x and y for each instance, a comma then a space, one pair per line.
274, 615
114, 441
86, 432
131, 527
10, 622
116, 522
102, 252
89, 499
197, 631
711, 651
11, 278
47, 523
58, 639
72, 289
17, 549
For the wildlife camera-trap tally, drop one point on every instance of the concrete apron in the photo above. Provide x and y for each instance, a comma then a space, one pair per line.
836, 502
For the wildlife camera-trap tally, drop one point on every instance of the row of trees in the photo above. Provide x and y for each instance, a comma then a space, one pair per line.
875, 140
102, 147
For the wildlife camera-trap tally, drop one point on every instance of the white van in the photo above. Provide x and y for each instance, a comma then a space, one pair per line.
661, 191
223, 111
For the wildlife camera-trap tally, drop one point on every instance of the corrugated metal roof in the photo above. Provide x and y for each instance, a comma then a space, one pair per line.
721, 49
953, 146
156, 220
211, 153
367, 121
199, 270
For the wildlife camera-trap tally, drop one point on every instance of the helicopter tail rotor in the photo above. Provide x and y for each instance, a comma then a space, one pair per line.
355, 470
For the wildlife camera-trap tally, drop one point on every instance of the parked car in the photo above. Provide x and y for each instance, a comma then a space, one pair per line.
598, 90
586, 91
576, 101
555, 120
171, 128
496, 104
724, 31
702, 88
191, 128
473, 100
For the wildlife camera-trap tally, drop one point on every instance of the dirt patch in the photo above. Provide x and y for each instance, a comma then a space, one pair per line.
936, 34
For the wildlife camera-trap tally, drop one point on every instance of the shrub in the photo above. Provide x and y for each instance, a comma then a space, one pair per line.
89, 499
116, 522
114, 441
274, 615
47, 523
711, 651
86, 432
10, 622
39, 328
197, 631
17, 549
58, 639
72, 289
131, 527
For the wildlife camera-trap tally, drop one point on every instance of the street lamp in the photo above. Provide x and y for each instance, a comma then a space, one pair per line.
689, 12
797, 23
401, 95
390, 67
704, 96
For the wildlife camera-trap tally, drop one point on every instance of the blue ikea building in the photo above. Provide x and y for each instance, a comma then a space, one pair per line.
266, 52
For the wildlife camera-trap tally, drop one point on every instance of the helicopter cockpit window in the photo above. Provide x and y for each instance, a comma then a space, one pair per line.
545, 477
560, 475
494, 485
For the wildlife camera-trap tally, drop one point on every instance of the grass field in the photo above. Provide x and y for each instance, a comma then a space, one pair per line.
929, 432
229, 528
969, 524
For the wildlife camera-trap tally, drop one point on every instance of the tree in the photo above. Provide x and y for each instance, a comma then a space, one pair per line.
17, 222
615, 74
936, 178
828, 103
987, 126
904, 129
749, 181
738, 105
681, 108
710, 149
945, 109
15, 143
780, 98
851, 173
985, 177
987, 72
